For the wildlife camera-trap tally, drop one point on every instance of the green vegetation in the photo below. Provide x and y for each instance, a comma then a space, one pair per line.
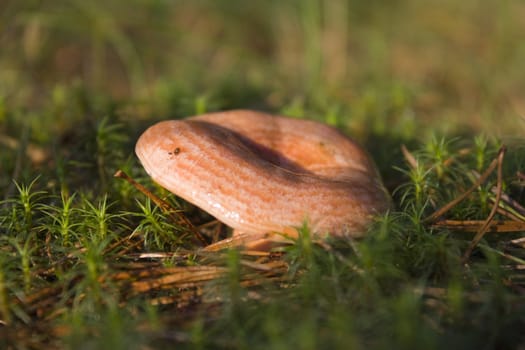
86, 261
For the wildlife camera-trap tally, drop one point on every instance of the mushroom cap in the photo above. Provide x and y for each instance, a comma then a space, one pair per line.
260, 173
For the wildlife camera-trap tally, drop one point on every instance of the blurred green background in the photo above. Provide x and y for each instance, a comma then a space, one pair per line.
371, 65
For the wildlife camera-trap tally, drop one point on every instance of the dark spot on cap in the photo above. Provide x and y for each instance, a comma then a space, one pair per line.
175, 151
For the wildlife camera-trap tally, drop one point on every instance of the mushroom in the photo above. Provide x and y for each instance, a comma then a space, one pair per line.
266, 175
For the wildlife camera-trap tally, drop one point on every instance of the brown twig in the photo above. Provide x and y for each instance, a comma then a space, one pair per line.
460, 198
514, 204
452, 159
500, 226
182, 277
484, 228
409, 157
519, 242
173, 214
508, 214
